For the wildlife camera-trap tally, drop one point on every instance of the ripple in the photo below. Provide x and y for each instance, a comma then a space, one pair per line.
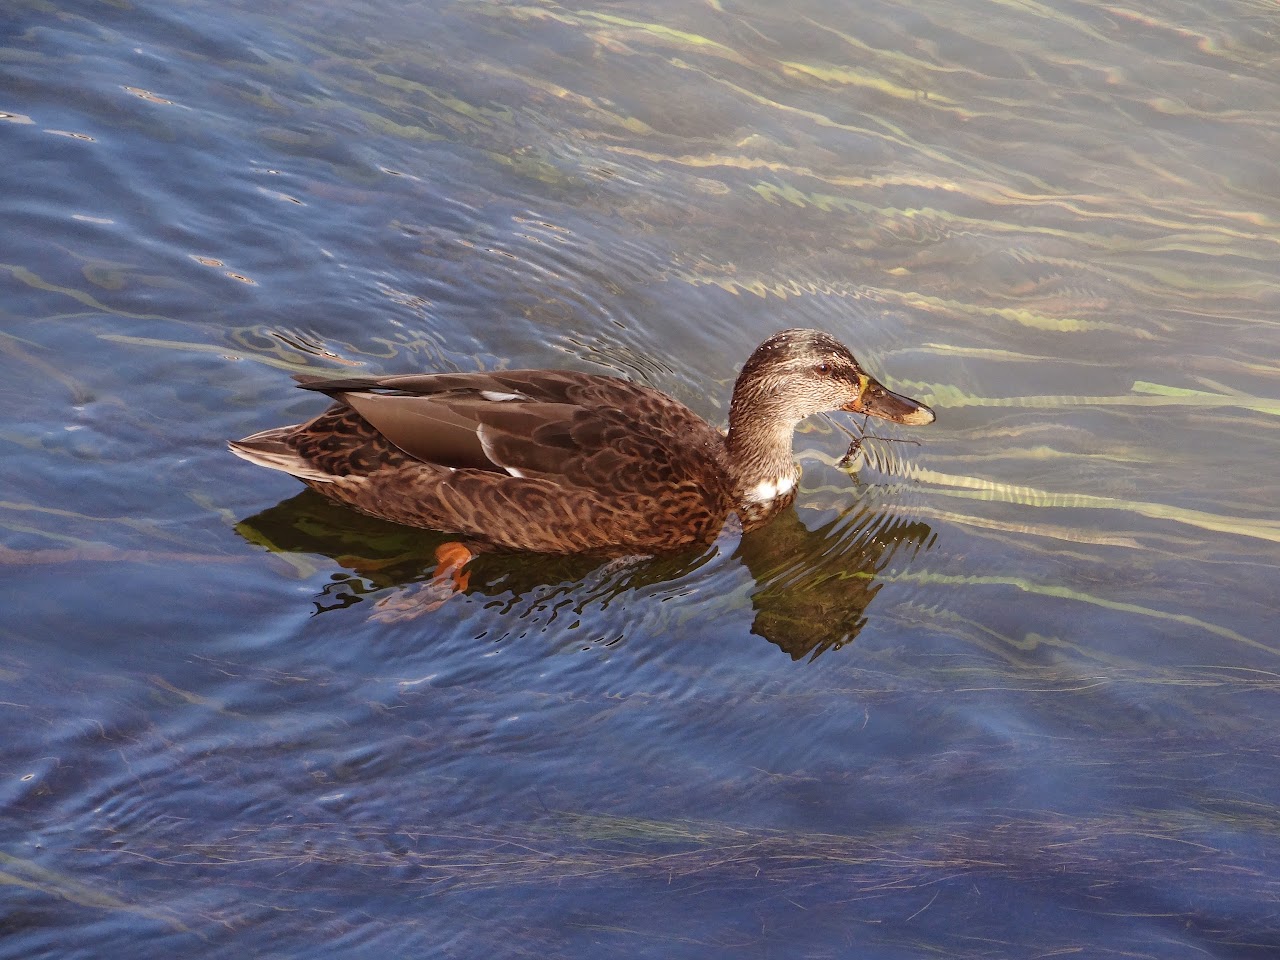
1045, 630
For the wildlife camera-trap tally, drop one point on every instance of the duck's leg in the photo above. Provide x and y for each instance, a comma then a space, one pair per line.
447, 579
451, 557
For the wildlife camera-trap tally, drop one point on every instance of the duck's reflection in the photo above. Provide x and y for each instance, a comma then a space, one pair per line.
813, 586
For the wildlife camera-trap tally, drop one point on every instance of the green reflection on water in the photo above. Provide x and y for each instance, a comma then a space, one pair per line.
1060, 224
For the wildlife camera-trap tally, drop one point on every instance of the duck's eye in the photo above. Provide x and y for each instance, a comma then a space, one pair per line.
823, 368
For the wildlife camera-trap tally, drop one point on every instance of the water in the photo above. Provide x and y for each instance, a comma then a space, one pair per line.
1009, 692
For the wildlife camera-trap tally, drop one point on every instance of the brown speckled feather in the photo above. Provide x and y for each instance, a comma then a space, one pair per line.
570, 462
563, 462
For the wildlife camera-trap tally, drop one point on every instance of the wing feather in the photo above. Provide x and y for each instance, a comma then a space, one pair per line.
584, 461
573, 428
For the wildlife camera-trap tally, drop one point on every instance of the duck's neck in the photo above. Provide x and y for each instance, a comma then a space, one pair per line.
759, 460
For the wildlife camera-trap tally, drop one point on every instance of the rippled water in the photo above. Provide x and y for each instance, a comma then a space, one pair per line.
1009, 692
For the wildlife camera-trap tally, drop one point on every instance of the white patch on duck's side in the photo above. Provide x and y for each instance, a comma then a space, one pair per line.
486, 444
498, 397
767, 491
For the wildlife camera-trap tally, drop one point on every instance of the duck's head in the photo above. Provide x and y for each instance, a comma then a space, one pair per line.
797, 373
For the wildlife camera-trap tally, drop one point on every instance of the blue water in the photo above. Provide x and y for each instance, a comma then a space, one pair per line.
1007, 692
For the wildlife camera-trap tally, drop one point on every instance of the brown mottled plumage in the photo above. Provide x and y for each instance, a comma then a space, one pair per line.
562, 462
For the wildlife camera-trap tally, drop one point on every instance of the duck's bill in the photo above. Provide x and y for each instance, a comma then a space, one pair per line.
878, 401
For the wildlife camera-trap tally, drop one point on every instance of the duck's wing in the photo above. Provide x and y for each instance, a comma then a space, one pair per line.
572, 428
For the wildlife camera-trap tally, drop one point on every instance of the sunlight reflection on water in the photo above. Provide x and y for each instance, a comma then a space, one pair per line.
1010, 691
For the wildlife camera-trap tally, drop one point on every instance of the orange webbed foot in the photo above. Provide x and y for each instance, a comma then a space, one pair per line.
447, 579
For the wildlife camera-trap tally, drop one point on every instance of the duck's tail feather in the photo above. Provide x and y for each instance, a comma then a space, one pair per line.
270, 449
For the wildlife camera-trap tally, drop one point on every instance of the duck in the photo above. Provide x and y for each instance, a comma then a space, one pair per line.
565, 462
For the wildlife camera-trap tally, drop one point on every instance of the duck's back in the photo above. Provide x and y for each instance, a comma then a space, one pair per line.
533, 460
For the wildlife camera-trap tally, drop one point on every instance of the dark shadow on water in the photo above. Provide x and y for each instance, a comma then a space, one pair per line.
813, 586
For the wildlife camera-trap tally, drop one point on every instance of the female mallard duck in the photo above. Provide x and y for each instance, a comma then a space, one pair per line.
560, 462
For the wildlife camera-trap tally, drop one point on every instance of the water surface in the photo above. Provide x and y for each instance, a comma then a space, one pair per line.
1008, 692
